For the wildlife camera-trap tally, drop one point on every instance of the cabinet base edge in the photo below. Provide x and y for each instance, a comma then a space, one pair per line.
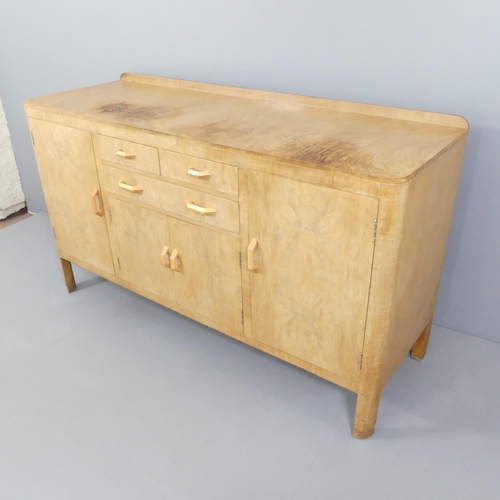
315, 370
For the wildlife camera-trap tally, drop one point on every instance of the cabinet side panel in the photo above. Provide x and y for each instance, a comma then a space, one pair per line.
383, 284
426, 225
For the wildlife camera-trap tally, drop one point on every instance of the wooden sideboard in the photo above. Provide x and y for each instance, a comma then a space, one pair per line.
312, 229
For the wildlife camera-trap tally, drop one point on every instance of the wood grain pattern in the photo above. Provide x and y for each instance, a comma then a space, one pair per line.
66, 163
344, 106
244, 160
171, 198
384, 148
310, 293
209, 277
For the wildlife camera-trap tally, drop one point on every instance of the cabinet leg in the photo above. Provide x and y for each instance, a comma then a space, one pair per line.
418, 350
366, 415
69, 277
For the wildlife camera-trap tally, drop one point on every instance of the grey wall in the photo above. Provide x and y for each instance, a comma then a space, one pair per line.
438, 56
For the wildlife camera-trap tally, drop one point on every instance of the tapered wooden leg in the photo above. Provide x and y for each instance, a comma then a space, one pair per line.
69, 277
418, 350
366, 415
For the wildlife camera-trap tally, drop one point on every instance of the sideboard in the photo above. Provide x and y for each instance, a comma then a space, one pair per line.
312, 229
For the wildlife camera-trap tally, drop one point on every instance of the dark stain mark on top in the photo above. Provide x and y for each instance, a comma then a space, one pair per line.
133, 111
326, 152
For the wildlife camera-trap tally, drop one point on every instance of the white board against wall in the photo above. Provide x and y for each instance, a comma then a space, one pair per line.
11, 192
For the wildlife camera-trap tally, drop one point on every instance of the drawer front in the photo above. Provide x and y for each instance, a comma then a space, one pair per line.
129, 154
204, 173
175, 199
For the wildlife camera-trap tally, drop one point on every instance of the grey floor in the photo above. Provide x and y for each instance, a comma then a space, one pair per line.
106, 395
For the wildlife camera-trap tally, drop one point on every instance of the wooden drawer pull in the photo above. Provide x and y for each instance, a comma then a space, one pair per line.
200, 210
251, 259
95, 204
165, 257
133, 189
125, 154
200, 175
174, 264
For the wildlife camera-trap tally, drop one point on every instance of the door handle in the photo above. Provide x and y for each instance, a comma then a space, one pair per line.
133, 189
95, 205
200, 210
125, 154
174, 265
252, 266
165, 257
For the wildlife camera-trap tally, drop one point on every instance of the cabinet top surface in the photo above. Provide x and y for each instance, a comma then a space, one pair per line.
387, 144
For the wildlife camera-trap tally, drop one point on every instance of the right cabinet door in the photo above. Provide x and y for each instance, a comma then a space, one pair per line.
207, 273
309, 292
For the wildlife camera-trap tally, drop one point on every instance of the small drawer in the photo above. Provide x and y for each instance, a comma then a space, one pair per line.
198, 172
129, 154
179, 200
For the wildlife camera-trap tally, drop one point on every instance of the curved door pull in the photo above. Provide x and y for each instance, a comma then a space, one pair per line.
96, 205
165, 257
200, 175
125, 154
174, 264
252, 266
200, 210
133, 189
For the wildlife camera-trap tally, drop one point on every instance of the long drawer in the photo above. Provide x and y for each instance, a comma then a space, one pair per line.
199, 172
129, 154
186, 202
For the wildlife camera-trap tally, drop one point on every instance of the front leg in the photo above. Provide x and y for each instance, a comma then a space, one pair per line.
366, 413
69, 277
420, 347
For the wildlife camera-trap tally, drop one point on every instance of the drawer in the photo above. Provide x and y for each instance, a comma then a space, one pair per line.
205, 173
179, 200
128, 153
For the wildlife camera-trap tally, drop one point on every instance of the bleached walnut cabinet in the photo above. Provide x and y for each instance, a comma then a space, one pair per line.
312, 229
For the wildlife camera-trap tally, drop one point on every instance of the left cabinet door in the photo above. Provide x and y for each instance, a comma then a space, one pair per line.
142, 245
67, 167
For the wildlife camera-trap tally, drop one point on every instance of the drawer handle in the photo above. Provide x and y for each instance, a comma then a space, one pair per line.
200, 210
165, 257
133, 189
125, 154
174, 264
252, 266
200, 175
96, 206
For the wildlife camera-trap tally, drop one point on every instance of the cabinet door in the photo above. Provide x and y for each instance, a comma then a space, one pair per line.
309, 293
143, 247
208, 273
66, 162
